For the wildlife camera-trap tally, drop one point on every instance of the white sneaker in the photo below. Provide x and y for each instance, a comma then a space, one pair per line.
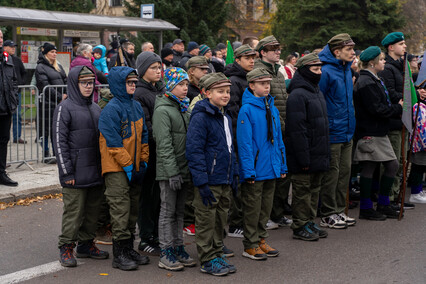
348, 220
333, 221
418, 198
271, 225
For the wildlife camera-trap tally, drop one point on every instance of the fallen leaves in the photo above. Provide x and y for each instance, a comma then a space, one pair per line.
30, 200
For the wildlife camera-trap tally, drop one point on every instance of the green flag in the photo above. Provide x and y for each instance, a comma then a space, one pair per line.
410, 98
229, 53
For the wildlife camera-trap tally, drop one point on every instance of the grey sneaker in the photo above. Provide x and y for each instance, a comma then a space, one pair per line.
183, 257
169, 261
284, 222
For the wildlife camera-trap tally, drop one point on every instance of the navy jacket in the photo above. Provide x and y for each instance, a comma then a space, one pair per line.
337, 86
207, 152
258, 157
76, 137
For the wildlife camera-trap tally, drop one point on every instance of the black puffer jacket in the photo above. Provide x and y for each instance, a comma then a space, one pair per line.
238, 78
307, 139
185, 57
373, 108
19, 70
394, 81
45, 75
76, 137
177, 56
8, 82
193, 91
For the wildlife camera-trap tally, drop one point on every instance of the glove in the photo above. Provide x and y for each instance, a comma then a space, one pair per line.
128, 171
176, 182
206, 195
234, 185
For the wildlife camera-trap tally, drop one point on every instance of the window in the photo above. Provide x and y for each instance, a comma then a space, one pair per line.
266, 6
116, 3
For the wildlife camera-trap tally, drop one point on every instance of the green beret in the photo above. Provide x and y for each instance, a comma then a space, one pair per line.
214, 80
197, 61
370, 53
258, 75
269, 40
308, 59
392, 38
244, 50
340, 40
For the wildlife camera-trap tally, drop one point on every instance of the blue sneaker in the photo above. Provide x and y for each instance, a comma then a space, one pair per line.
214, 267
169, 261
230, 267
184, 257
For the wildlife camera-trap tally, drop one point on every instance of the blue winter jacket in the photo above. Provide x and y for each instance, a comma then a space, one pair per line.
337, 86
207, 152
259, 159
101, 63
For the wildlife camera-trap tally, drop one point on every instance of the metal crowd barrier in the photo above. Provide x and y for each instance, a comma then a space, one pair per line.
35, 112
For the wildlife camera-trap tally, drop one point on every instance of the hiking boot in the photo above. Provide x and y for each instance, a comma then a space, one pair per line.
66, 255
284, 222
333, 221
149, 248
189, 230
134, 255
122, 259
104, 236
183, 257
235, 232
348, 220
225, 263
227, 252
89, 249
269, 251
271, 225
255, 253
305, 233
388, 211
418, 198
214, 267
168, 260
317, 230
371, 214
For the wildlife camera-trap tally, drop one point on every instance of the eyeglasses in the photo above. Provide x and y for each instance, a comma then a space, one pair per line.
131, 83
87, 83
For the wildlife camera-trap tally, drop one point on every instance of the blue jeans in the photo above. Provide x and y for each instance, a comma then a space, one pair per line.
17, 121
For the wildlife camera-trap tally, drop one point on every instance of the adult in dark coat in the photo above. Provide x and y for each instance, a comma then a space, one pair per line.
178, 48
128, 49
8, 104
49, 72
308, 145
193, 50
76, 142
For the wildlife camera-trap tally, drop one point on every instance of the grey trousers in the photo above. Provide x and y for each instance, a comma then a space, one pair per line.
170, 223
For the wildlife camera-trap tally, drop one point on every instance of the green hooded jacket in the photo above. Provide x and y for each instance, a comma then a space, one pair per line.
169, 127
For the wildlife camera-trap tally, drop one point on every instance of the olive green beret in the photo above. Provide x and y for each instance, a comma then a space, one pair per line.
269, 40
392, 38
258, 75
308, 59
340, 40
214, 80
197, 61
370, 53
244, 50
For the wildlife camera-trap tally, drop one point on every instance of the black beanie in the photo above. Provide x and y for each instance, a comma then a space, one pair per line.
48, 47
166, 52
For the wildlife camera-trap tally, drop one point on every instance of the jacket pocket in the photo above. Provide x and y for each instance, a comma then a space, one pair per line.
76, 160
213, 163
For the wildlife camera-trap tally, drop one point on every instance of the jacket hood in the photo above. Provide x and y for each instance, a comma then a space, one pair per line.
157, 87
327, 56
397, 63
43, 59
235, 69
73, 90
299, 82
117, 82
165, 101
205, 106
249, 98
101, 47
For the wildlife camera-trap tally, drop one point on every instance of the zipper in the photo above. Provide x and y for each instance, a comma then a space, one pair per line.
229, 167
255, 159
184, 123
76, 159
282, 156
213, 164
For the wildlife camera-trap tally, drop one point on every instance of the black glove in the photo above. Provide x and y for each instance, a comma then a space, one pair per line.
175, 182
206, 195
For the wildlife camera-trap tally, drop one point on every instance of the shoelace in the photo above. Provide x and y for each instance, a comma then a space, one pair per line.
69, 252
308, 229
216, 264
267, 247
94, 249
181, 252
170, 255
223, 261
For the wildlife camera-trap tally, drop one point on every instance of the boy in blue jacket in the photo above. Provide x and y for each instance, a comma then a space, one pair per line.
262, 160
100, 60
212, 163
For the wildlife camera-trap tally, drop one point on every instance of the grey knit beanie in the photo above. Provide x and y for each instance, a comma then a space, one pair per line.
144, 60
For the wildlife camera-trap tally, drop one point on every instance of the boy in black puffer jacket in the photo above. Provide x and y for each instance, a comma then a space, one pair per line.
76, 137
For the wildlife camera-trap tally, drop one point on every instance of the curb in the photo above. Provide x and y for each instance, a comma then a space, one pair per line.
32, 192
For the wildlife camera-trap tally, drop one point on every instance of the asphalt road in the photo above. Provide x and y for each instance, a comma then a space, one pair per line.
371, 252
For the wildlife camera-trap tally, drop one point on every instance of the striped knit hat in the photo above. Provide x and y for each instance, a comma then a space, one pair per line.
204, 49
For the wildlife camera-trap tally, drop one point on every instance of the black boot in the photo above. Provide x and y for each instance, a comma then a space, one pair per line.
388, 211
66, 255
139, 259
122, 259
89, 249
5, 180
